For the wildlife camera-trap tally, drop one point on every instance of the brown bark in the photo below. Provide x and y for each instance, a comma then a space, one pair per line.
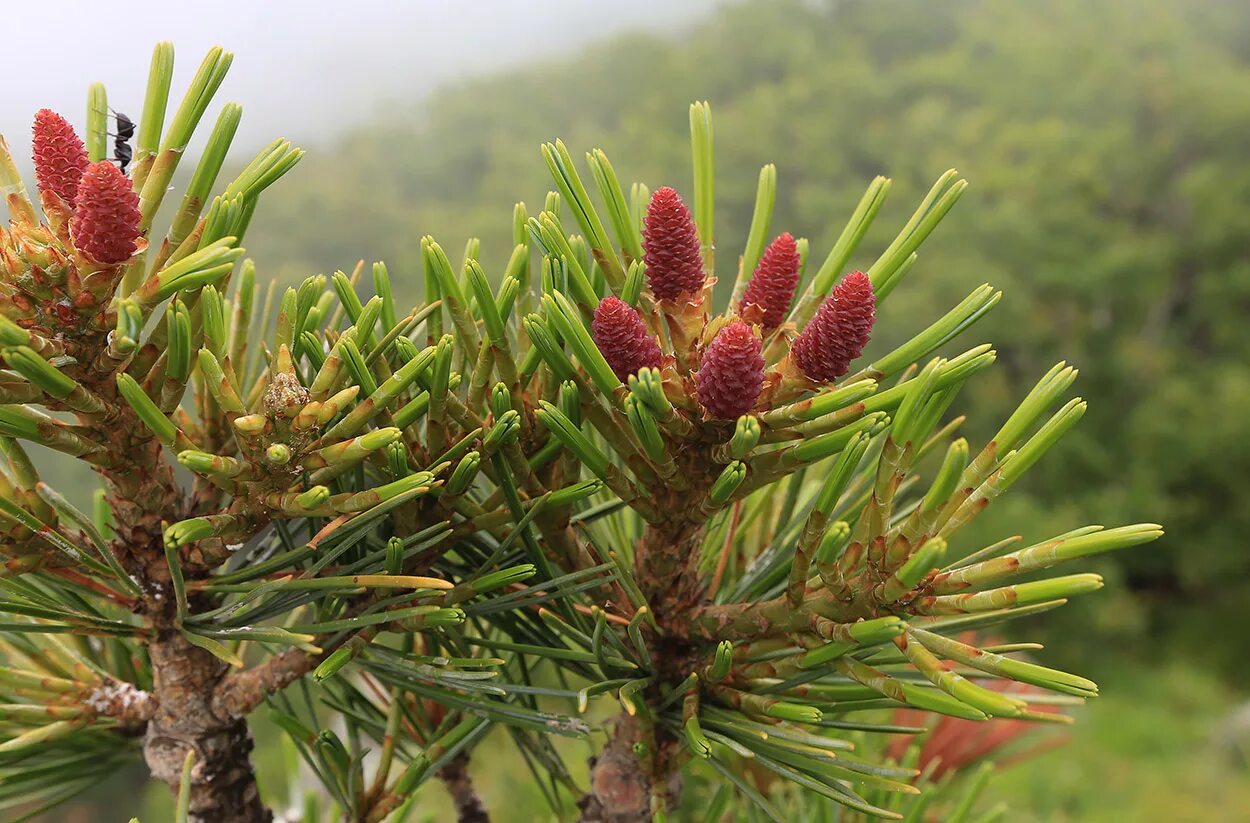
622, 783
469, 807
181, 712
223, 785
238, 694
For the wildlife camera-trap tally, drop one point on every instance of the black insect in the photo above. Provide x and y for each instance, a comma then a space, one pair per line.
122, 152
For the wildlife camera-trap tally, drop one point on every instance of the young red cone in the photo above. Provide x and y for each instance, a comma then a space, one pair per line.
60, 157
732, 373
670, 244
838, 333
622, 337
772, 285
106, 219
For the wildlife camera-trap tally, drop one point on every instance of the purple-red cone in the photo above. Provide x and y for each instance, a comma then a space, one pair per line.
622, 337
60, 157
772, 285
670, 244
732, 373
839, 331
106, 219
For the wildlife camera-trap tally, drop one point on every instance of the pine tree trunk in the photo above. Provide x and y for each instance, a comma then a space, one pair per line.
223, 785
143, 493
623, 785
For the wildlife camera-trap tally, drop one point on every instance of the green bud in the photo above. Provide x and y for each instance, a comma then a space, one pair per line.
336, 404
178, 349
333, 663
368, 320
199, 268
125, 337
26, 362
394, 555
728, 482
412, 411
251, 424
382, 288
643, 424
832, 541
213, 320
569, 495
795, 712
561, 427
745, 437
504, 431
722, 663
648, 384
947, 479
500, 400
188, 531
218, 384
503, 577
411, 778
825, 445
147, 411
356, 365
397, 459
571, 401
347, 295
313, 498
511, 286
480, 287
921, 562
210, 464
285, 331
464, 473
634, 281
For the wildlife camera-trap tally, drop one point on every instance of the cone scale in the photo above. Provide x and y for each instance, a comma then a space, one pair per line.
732, 374
623, 338
772, 285
670, 243
106, 219
838, 333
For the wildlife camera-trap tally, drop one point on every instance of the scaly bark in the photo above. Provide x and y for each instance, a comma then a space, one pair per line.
186, 712
625, 784
469, 807
223, 784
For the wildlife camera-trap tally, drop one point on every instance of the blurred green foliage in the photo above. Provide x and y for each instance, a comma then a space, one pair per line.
1105, 143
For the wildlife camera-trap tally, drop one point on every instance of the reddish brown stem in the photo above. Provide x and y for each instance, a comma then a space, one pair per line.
469, 807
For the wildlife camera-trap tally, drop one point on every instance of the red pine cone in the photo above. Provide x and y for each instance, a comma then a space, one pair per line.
106, 219
670, 244
839, 331
772, 284
60, 157
732, 374
622, 337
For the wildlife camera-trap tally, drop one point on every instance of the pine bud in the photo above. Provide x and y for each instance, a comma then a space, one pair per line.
106, 219
623, 339
732, 373
60, 157
839, 331
772, 285
670, 245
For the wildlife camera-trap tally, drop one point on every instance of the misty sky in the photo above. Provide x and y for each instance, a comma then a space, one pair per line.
303, 68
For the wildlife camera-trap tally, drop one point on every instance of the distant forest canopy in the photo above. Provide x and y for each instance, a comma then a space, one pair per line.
1105, 143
